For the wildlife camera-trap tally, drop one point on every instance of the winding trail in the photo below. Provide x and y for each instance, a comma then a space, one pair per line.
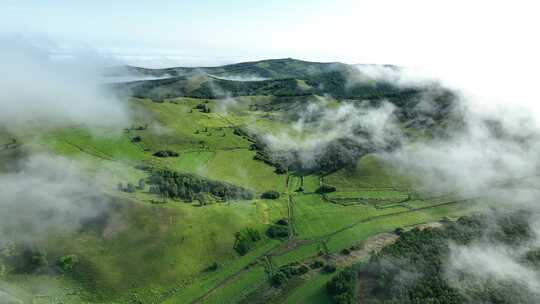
292, 244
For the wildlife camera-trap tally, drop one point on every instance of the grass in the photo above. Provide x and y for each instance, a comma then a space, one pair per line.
104, 144
239, 287
367, 194
311, 291
180, 242
159, 253
370, 172
202, 285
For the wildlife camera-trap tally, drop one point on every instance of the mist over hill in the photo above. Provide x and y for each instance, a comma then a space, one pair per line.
278, 171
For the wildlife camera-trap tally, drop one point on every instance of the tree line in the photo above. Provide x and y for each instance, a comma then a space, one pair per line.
189, 187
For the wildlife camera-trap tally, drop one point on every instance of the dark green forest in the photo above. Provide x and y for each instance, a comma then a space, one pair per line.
412, 270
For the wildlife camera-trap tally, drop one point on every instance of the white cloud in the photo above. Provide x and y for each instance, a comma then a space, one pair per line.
38, 91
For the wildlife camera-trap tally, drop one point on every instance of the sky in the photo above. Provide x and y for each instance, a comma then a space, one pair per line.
419, 33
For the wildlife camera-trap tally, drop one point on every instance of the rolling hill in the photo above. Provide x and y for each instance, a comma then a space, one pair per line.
206, 210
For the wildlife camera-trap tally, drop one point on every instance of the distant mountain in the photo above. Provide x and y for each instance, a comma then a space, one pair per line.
275, 77
264, 69
288, 82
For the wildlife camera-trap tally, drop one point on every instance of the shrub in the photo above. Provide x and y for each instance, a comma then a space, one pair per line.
136, 139
325, 189
272, 194
67, 262
282, 222
213, 267
246, 240
316, 264
345, 251
166, 153
277, 231
329, 268
278, 279
302, 269
286, 272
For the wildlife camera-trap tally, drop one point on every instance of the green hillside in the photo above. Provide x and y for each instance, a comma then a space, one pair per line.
279, 78
203, 210
272, 68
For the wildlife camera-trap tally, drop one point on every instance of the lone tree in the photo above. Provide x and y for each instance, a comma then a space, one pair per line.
67, 262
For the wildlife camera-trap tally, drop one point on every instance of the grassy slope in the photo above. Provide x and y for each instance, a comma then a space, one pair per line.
162, 250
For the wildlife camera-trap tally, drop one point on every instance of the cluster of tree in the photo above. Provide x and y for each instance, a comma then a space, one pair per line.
329, 268
238, 132
278, 230
424, 252
165, 153
284, 273
340, 153
24, 259
27, 259
271, 194
342, 287
245, 240
188, 187
130, 187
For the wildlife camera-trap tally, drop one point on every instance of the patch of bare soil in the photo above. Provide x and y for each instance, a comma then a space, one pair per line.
367, 248
426, 225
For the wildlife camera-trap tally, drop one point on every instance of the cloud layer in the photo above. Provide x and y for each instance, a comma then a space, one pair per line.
49, 195
38, 91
